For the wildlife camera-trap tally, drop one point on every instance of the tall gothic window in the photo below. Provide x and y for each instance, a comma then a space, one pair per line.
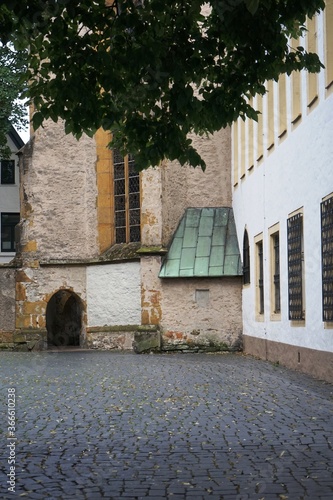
127, 199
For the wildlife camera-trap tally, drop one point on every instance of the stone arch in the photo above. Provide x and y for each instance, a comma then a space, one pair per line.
64, 319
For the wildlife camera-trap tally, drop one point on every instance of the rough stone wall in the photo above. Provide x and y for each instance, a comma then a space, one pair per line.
151, 291
192, 313
58, 222
35, 287
58, 196
7, 300
185, 187
203, 310
151, 207
110, 338
61, 221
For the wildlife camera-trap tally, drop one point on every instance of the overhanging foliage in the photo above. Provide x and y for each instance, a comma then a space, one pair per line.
12, 112
152, 71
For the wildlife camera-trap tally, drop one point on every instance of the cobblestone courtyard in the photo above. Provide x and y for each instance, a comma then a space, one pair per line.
93, 425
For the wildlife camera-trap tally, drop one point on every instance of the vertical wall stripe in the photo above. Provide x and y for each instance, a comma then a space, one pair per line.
296, 112
328, 13
250, 136
270, 114
282, 106
105, 208
235, 151
312, 78
260, 129
243, 148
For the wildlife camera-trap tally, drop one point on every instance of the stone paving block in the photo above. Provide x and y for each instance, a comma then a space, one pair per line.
107, 425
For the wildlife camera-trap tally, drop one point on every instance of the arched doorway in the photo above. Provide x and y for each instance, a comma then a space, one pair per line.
64, 319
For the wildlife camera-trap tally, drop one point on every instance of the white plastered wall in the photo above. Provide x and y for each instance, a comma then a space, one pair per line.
297, 173
114, 294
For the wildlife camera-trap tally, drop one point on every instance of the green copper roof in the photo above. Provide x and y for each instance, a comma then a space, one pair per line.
204, 245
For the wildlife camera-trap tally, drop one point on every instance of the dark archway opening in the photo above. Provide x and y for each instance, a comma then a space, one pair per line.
64, 319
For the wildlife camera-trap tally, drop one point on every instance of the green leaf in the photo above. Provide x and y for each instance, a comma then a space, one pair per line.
137, 74
252, 5
37, 120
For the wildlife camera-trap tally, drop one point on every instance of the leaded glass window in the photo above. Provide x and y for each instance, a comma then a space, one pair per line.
126, 199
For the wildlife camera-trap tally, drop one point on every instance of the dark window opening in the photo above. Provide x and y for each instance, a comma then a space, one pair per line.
7, 172
327, 258
295, 267
8, 224
246, 259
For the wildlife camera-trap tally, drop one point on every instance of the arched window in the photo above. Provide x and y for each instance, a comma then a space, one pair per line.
246, 259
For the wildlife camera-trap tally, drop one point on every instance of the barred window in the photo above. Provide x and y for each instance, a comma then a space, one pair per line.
295, 267
126, 199
276, 272
327, 258
260, 257
246, 259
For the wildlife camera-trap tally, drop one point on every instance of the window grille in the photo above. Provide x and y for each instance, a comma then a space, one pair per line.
327, 258
246, 259
261, 277
127, 199
276, 277
295, 267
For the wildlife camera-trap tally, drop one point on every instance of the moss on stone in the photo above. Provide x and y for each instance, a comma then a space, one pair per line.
117, 328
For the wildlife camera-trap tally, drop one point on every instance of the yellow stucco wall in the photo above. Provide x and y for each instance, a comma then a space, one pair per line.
105, 220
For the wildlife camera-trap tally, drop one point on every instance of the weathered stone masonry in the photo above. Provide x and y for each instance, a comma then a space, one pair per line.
67, 268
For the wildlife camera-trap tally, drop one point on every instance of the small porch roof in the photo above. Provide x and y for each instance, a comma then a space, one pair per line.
204, 245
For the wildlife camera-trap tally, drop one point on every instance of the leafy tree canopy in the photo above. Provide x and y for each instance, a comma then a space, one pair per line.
12, 111
154, 71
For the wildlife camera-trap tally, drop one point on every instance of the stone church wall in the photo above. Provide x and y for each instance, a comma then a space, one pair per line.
63, 183
185, 187
7, 306
58, 196
192, 314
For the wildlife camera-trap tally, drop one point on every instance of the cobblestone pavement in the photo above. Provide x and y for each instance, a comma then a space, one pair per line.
93, 425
